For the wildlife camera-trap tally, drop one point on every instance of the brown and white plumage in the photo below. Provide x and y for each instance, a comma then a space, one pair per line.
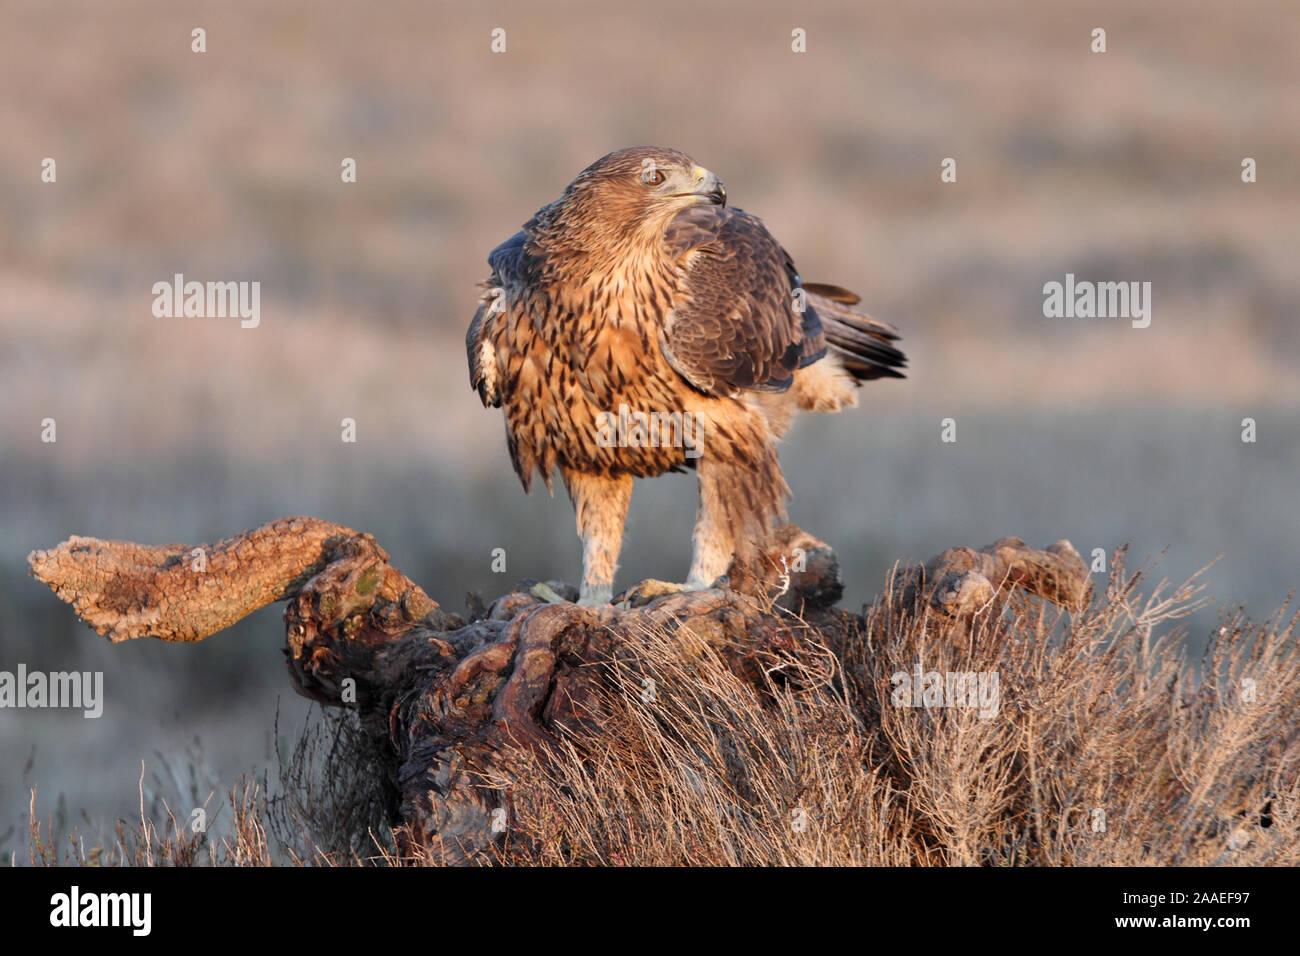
640, 288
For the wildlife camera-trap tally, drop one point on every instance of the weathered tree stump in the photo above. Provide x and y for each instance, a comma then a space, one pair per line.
444, 700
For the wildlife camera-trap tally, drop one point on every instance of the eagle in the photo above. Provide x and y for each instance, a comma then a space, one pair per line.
639, 325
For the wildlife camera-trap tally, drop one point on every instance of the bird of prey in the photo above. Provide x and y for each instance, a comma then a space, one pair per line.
639, 325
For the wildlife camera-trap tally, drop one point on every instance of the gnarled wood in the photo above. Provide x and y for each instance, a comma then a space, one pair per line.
181, 592
963, 581
444, 699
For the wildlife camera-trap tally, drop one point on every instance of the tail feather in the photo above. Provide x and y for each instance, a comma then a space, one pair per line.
828, 291
862, 342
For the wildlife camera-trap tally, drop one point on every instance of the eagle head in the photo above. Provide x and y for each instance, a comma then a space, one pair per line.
634, 192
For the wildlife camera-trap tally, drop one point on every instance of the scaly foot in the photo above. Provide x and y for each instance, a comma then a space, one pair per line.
646, 591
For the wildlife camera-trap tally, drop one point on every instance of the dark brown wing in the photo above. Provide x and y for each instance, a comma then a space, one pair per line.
734, 323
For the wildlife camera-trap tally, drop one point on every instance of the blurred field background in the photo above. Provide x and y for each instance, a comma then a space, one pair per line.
225, 166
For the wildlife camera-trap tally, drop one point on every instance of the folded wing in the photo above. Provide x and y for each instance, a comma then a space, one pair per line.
735, 322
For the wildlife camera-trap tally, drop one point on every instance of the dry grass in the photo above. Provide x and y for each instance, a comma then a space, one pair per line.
327, 811
1107, 747
160, 840
706, 772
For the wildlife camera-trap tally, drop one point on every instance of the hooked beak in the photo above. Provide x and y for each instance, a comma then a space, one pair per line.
709, 187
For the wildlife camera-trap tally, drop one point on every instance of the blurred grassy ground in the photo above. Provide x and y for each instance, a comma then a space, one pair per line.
225, 165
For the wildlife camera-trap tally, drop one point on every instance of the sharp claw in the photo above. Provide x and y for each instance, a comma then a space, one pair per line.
649, 589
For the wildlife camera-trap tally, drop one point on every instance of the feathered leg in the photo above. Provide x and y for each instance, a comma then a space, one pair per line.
601, 506
742, 498
714, 540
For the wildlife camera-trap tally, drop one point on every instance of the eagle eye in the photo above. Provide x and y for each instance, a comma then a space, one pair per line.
652, 176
